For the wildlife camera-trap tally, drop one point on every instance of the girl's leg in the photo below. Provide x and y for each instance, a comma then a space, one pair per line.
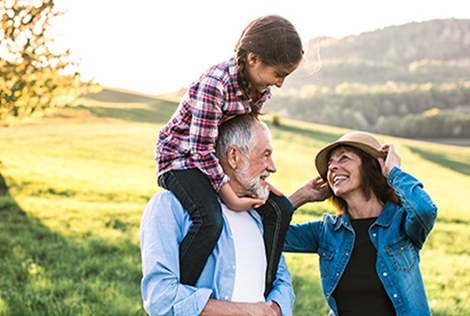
194, 191
276, 214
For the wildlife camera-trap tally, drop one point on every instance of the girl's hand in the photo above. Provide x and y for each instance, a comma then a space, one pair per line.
236, 203
392, 159
273, 189
246, 203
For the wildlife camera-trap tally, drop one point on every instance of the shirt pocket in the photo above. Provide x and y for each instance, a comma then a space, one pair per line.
402, 255
327, 255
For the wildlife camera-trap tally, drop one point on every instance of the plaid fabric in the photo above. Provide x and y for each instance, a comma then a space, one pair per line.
188, 139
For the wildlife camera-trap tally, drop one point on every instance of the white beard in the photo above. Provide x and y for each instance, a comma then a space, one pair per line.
252, 185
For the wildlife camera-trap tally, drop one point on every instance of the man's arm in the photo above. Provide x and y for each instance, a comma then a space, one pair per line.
163, 227
282, 293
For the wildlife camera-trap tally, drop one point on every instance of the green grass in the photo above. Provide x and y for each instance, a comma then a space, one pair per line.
78, 182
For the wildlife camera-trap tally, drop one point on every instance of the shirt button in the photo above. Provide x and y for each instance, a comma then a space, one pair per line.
233, 267
385, 274
231, 237
374, 234
337, 274
226, 298
394, 295
347, 254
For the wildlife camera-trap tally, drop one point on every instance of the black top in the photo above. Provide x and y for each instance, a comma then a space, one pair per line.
360, 291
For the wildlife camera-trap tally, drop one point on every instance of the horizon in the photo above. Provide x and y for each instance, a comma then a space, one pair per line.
152, 48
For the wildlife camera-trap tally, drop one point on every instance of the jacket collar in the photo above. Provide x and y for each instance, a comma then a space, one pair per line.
385, 218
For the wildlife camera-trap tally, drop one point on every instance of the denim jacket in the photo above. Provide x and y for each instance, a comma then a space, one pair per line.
398, 234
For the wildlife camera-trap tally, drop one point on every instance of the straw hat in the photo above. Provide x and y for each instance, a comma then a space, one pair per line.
364, 141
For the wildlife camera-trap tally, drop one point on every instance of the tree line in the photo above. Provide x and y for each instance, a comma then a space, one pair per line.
410, 80
404, 110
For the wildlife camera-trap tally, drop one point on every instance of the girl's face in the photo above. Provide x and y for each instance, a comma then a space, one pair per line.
344, 172
261, 76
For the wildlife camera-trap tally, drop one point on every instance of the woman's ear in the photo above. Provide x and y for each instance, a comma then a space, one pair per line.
252, 59
233, 157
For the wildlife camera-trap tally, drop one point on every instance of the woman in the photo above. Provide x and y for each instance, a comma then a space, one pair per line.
369, 250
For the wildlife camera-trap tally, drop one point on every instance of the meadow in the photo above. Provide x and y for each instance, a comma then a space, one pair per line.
76, 183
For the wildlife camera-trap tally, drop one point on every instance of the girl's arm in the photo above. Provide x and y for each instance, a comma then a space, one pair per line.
236, 203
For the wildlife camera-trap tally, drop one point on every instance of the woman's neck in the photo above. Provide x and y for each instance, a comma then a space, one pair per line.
359, 207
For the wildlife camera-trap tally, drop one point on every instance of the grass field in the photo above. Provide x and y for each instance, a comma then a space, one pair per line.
79, 180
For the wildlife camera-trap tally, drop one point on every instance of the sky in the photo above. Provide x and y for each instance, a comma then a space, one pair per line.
155, 46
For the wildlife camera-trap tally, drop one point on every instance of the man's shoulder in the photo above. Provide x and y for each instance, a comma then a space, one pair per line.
165, 196
164, 202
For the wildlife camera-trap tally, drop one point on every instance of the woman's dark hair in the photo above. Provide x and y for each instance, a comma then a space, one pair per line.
274, 40
372, 182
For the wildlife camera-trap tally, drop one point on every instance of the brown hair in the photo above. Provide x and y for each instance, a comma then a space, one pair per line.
274, 40
373, 182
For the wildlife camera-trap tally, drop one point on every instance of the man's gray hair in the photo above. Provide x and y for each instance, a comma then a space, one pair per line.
238, 132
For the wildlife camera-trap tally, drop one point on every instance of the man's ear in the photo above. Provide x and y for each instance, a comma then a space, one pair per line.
252, 59
233, 157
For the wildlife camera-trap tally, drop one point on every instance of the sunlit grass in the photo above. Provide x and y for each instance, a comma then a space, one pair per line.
79, 181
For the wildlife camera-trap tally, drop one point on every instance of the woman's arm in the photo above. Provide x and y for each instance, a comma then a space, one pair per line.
314, 190
421, 213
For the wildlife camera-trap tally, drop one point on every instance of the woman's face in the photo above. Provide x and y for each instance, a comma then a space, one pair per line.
344, 173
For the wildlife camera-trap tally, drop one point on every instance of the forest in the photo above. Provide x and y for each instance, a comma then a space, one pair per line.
411, 81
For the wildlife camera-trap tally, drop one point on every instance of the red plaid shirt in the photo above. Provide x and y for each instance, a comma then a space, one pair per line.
188, 139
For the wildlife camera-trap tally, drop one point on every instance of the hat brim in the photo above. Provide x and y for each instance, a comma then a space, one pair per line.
321, 160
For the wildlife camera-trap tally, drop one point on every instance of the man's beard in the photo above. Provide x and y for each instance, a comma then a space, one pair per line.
252, 185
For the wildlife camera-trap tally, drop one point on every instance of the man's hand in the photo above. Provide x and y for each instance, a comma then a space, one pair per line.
223, 308
314, 190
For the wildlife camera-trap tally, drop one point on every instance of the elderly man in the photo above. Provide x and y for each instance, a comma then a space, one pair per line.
233, 280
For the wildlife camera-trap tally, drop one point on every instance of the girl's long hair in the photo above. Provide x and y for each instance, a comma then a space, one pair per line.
274, 40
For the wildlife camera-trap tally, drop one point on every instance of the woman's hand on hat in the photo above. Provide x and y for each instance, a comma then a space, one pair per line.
391, 159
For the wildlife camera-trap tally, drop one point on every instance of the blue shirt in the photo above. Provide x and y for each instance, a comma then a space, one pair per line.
398, 234
163, 227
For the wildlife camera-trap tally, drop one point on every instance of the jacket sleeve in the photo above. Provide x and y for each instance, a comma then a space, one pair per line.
161, 291
282, 292
421, 213
303, 237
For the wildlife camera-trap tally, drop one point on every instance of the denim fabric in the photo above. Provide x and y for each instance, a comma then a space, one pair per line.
194, 191
398, 234
163, 227
276, 214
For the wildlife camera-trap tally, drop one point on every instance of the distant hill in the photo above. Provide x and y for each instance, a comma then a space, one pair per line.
446, 40
395, 53
411, 80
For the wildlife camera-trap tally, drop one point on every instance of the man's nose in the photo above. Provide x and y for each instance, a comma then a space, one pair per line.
271, 166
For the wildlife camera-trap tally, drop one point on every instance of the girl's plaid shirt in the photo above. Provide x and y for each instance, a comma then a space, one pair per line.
188, 139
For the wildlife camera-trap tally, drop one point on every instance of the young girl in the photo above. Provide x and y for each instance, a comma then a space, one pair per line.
268, 50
